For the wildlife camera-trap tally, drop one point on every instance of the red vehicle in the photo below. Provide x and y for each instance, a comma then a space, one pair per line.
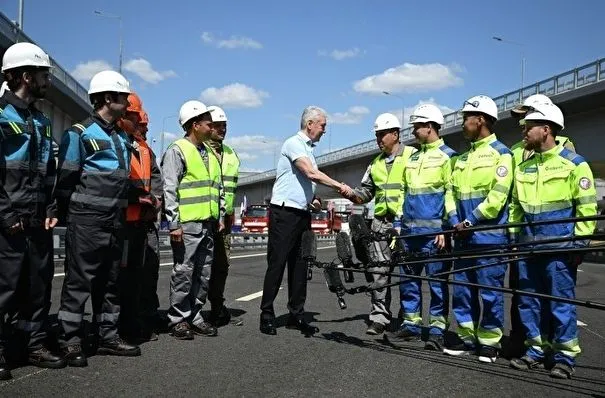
256, 219
326, 222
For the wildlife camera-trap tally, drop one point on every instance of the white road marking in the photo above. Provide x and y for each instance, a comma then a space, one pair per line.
580, 270
252, 296
233, 257
580, 323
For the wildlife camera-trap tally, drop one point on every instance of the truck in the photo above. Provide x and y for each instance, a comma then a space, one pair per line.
255, 219
326, 222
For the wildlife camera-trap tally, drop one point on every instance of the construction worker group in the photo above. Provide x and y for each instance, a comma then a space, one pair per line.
107, 189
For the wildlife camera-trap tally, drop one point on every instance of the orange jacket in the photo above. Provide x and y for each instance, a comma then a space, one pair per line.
140, 178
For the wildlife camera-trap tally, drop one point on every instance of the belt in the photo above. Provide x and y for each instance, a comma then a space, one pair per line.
288, 208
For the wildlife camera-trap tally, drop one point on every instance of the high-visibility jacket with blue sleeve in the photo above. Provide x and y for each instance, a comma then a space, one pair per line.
27, 165
481, 184
554, 184
428, 200
93, 173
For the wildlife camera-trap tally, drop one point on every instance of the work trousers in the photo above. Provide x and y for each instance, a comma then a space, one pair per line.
26, 272
94, 254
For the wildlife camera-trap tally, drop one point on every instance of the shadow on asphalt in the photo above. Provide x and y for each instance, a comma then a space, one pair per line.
499, 369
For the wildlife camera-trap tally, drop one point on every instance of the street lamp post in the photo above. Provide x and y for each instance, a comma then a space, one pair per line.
402, 105
162, 133
522, 46
119, 18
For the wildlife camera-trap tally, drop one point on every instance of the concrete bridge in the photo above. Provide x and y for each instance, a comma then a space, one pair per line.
579, 92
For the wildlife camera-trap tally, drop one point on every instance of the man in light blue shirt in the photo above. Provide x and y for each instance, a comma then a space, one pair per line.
293, 196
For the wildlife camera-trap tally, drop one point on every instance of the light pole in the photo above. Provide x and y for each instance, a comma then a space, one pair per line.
119, 18
522, 46
402, 105
163, 132
274, 152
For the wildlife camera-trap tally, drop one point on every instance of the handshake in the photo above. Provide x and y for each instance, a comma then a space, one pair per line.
347, 192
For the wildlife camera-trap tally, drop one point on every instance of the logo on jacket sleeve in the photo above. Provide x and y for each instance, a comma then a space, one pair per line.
585, 183
502, 171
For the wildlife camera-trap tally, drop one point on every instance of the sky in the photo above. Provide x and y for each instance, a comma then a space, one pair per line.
265, 61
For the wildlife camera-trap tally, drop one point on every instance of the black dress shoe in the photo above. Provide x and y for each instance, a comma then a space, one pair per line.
300, 324
118, 347
74, 356
5, 370
267, 326
220, 318
44, 358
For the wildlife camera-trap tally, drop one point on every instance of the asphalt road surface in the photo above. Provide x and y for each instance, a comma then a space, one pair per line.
339, 361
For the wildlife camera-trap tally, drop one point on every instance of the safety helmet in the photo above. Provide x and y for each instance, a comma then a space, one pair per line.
191, 109
134, 103
427, 113
482, 104
546, 111
386, 121
217, 113
24, 54
528, 103
108, 81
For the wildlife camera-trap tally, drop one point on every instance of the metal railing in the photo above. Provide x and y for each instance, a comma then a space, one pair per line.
14, 33
240, 241
573, 79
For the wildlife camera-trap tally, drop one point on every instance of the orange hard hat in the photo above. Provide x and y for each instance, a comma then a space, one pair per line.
134, 103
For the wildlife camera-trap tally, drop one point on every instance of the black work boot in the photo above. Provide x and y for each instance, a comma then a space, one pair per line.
74, 356
44, 358
118, 347
5, 370
204, 329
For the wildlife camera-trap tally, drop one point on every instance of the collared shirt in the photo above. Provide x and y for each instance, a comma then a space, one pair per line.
292, 188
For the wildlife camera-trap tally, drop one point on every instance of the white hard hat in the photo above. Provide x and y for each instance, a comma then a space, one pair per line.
483, 104
191, 109
217, 113
108, 81
386, 121
427, 113
529, 102
546, 111
24, 54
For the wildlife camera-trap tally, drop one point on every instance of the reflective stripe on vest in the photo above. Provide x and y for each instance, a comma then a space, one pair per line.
140, 176
198, 190
230, 166
388, 197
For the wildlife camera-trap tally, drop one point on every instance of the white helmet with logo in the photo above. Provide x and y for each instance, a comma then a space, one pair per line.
191, 109
427, 113
24, 54
482, 104
546, 111
108, 81
217, 114
529, 102
386, 121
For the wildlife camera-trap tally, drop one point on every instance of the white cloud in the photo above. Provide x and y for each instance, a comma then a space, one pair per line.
252, 147
339, 55
353, 115
230, 43
410, 78
236, 95
86, 70
143, 69
409, 109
